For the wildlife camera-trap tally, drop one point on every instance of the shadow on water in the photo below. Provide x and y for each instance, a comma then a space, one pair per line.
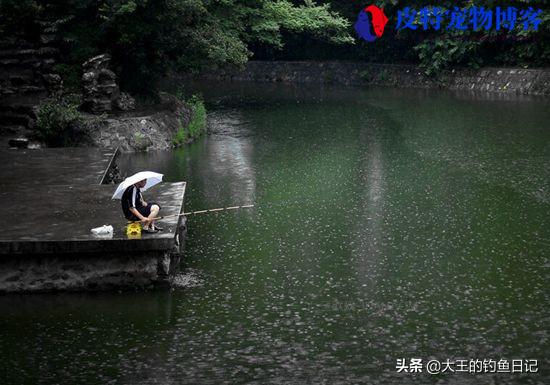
388, 224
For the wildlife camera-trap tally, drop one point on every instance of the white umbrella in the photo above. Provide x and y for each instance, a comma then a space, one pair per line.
153, 178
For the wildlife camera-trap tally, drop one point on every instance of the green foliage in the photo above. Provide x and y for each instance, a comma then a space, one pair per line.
435, 51
530, 48
440, 50
141, 141
383, 76
441, 54
18, 17
56, 118
181, 137
318, 20
70, 74
196, 126
150, 38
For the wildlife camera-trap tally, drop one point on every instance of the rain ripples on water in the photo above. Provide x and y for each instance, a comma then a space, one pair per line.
387, 224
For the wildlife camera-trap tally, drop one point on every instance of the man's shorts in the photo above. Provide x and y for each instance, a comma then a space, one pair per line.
143, 210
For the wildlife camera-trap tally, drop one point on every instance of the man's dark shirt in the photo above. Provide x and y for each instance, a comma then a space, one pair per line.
131, 198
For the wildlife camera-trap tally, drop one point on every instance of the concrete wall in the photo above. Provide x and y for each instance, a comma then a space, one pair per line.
501, 80
75, 272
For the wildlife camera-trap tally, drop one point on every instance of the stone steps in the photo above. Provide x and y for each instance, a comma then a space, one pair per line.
24, 90
41, 52
12, 43
13, 119
13, 130
17, 134
19, 109
15, 108
18, 116
16, 80
16, 77
26, 77
27, 68
8, 63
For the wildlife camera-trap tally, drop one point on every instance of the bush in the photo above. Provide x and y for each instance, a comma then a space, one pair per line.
441, 54
196, 126
70, 74
56, 120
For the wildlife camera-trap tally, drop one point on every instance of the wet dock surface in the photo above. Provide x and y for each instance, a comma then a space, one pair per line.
58, 218
53, 198
388, 224
53, 166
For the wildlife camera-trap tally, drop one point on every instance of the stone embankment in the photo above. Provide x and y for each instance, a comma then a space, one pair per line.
113, 121
152, 129
109, 117
499, 80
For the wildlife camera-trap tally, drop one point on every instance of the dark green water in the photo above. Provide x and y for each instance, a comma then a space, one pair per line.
388, 224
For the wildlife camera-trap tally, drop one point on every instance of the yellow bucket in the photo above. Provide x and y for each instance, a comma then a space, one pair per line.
133, 230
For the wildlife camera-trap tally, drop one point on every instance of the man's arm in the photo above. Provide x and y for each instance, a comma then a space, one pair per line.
138, 214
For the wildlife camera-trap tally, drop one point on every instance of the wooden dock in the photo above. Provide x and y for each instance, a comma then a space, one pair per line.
53, 198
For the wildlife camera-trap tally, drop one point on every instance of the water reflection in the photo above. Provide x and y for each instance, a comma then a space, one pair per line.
369, 230
388, 224
226, 169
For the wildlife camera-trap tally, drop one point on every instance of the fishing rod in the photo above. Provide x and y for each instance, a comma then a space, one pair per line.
206, 211
131, 229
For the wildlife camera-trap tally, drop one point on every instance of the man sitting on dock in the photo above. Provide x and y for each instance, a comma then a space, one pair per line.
136, 209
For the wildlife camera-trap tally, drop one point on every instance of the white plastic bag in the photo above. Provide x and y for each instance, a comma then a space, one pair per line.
104, 231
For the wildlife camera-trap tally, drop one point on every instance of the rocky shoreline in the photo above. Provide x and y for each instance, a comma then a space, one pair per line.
102, 116
148, 129
109, 118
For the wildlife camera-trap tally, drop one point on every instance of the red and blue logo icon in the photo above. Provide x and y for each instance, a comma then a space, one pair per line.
371, 28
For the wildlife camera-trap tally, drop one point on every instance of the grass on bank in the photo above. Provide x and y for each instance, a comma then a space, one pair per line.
196, 126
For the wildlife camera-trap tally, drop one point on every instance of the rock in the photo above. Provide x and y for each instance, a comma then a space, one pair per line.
97, 62
48, 64
88, 77
100, 89
48, 38
125, 102
106, 76
53, 82
176, 106
136, 132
